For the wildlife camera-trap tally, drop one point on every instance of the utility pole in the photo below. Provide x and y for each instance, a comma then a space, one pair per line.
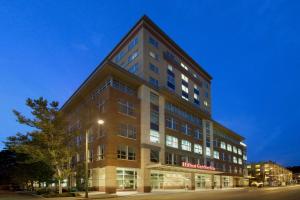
86, 165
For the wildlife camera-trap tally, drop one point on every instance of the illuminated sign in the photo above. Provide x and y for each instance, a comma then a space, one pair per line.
196, 166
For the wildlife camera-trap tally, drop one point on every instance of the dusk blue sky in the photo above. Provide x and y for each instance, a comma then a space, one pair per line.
251, 48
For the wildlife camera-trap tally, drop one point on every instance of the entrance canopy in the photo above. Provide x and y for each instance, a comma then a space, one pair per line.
182, 169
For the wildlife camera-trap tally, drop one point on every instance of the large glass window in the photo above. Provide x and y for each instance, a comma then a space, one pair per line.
240, 161
198, 134
186, 145
234, 159
170, 78
126, 179
198, 148
172, 141
153, 55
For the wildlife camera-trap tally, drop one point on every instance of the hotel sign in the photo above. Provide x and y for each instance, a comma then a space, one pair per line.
197, 166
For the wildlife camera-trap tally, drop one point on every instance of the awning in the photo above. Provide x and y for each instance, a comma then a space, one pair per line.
181, 169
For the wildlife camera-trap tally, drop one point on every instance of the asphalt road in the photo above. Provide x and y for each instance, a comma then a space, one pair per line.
282, 193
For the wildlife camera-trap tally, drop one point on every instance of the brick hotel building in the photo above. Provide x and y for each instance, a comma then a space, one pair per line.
158, 131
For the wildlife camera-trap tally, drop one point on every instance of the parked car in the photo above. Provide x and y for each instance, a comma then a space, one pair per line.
257, 184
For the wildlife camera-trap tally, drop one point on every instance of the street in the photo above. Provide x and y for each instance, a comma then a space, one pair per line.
281, 193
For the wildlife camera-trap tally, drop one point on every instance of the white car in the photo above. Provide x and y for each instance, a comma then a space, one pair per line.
257, 184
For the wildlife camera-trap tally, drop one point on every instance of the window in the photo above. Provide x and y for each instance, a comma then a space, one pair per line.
125, 152
182, 113
196, 90
132, 43
208, 152
223, 145
127, 130
234, 159
184, 66
229, 148
153, 68
153, 81
153, 55
126, 107
154, 156
205, 103
100, 152
119, 56
198, 134
240, 161
186, 145
171, 123
171, 82
216, 155
134, 68
122, 152
153, 42
133, 56
154, 136
172, 141
131, 153
184, 88
100, 105
234, 149
198, 148
239, 151
184, 78
77, 157
185, 128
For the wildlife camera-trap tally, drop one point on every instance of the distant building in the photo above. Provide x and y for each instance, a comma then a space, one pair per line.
158, 132
270, 173
296, 173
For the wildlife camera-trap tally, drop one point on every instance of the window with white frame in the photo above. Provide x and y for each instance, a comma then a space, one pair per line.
172, 141
154, 136
184, 88
223, 145
216, 155
198, 148
229, 147
186, 145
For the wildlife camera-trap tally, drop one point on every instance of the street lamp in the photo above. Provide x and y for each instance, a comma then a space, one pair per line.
100, 122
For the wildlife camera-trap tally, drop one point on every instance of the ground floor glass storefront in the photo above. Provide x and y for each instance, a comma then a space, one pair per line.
126, 179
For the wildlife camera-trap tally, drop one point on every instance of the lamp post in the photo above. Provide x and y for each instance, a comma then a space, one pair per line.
99, 122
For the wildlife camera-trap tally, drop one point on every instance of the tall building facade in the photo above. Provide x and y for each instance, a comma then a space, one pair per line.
158, 130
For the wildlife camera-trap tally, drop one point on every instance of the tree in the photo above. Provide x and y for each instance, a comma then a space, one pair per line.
48, 142
15, 170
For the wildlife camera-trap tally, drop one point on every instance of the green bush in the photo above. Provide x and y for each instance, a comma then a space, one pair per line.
43, 191
65, 194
